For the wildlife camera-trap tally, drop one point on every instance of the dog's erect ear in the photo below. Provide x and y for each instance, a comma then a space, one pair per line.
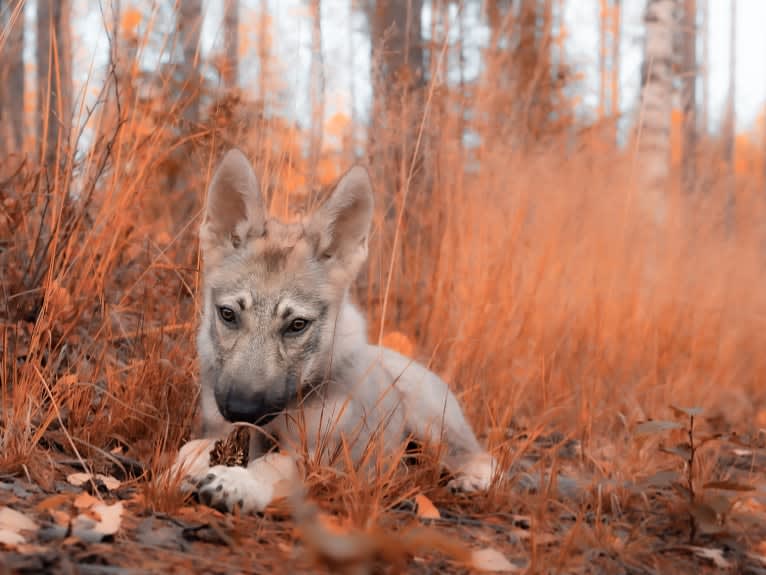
342, 223
234, 209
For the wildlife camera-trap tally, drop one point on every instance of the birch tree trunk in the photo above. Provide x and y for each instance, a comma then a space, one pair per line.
705, 124
189, 22
689, 95
54, 77
730, 150
317, 92
656, 104
231, 43
12, 80
603, 25
616, 37
731, 114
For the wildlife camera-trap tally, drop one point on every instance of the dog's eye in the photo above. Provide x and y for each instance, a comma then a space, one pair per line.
227, 315
297, 326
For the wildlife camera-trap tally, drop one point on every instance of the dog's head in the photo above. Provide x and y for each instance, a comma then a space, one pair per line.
273, 290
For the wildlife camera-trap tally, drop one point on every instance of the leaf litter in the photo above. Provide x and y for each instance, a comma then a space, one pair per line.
15, 527
445, 531
81, 479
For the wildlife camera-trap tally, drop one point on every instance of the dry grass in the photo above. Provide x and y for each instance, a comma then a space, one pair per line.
530, 279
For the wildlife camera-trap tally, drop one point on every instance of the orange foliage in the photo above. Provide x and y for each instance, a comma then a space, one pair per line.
328, 170
676, 136
293, 180
130, 20
337, 125
748, 149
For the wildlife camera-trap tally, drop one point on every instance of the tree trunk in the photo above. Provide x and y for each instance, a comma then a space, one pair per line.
688, 95
730, 150
656, 104
264, 52
616, 36
397, 116
398, 23
189, 22
231, 43
397, 47
731, 113
317, 92
705, 127
602, 51
54, 77
12, 81
351, 147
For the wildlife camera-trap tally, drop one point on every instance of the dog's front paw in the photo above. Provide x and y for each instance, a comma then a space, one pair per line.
193, 457
192, 463
474, 474
226, 488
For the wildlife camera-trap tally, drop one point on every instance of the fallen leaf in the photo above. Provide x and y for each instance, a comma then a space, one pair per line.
80, 479
53, 501
12, 523
687, 411
656, 426
85, 501
12, 519
714, 555
425, 508
491, 560
11, 538
111, 518
30, 549
59, 517
108, 522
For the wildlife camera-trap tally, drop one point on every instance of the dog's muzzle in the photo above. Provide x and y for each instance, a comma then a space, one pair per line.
245, 406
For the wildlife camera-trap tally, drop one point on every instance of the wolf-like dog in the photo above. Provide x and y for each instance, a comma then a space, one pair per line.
281, 346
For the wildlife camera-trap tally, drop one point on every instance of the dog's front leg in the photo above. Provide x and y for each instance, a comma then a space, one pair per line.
433, 415
193, 462
249, 489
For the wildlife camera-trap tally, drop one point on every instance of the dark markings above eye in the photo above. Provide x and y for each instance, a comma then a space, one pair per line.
241, 303
287, 312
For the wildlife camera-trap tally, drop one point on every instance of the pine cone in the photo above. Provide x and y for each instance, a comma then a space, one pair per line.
232, 451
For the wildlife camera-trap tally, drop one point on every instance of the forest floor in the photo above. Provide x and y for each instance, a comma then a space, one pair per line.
531, 525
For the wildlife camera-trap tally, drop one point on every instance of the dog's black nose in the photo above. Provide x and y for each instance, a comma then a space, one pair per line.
239, 406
